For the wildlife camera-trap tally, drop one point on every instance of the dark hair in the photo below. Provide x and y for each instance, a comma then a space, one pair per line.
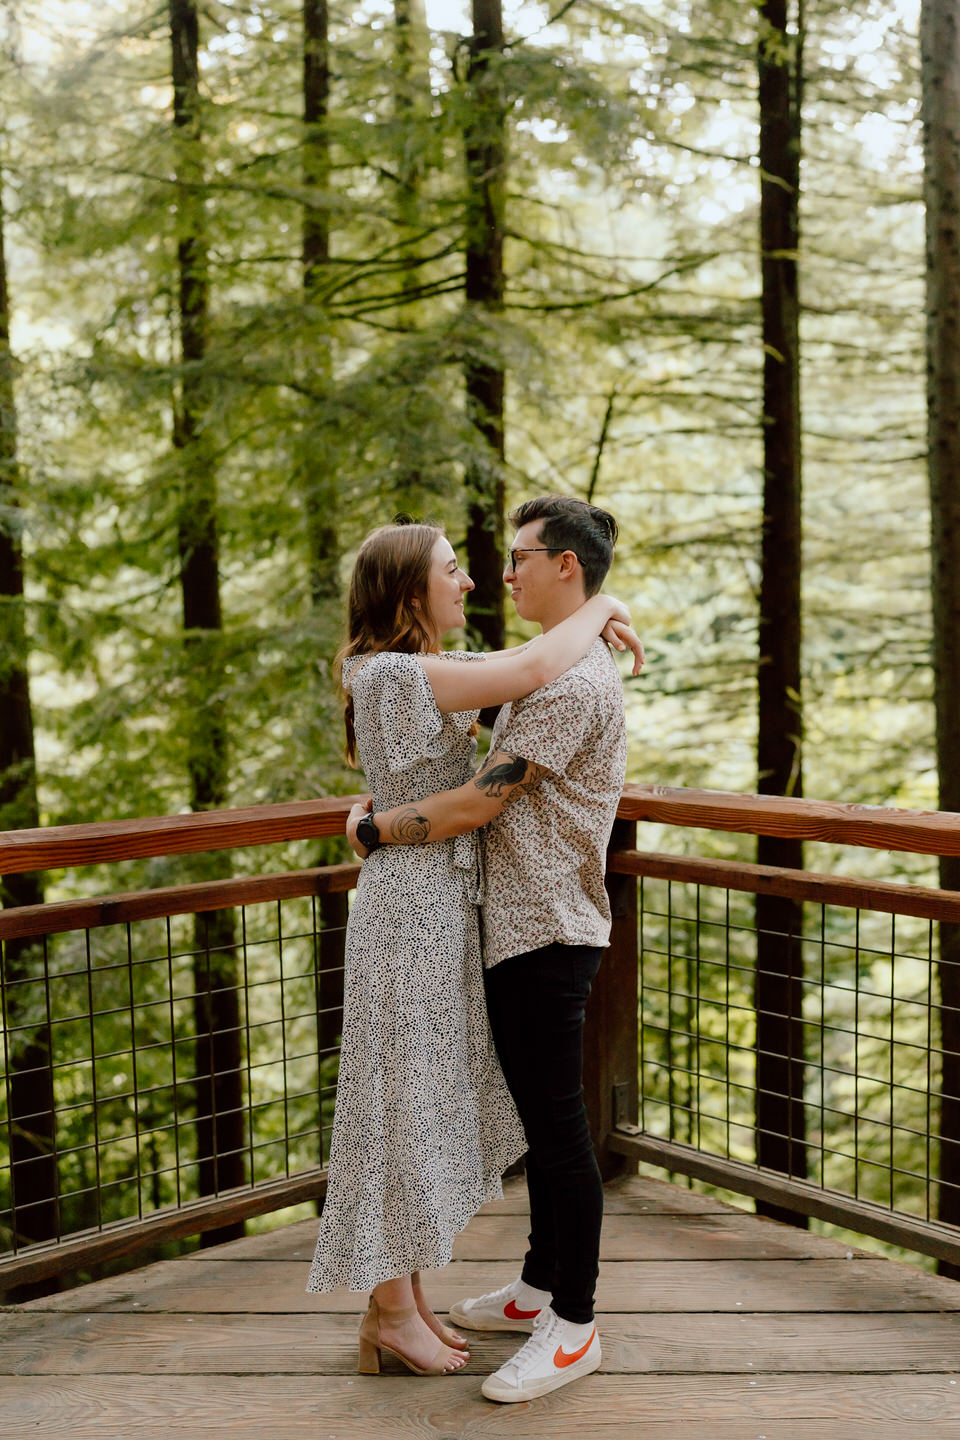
391, 571
570, 524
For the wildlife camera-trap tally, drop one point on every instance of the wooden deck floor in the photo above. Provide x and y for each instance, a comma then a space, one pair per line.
714, 1323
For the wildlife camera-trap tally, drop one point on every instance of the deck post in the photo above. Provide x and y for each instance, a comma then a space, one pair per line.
611, 1041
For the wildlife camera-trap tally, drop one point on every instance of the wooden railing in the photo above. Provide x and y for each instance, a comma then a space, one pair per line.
101, 1163
103, 1000
874, 1083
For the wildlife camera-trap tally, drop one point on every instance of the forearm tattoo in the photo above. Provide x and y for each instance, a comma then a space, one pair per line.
410, 827
498, 772
502, 776
506, 777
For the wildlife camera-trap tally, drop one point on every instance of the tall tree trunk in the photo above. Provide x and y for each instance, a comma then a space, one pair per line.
411, 100
411, 87
318, 480
30, 1093
780, 1117
940, 67
219, 1085
486, 159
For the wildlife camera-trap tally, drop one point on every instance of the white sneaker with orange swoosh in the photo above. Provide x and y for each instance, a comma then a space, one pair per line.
556, 1353
512, 1307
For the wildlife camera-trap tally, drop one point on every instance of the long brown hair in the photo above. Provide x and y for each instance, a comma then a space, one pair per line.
390, 573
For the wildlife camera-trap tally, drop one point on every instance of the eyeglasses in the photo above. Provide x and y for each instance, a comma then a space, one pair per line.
532, 550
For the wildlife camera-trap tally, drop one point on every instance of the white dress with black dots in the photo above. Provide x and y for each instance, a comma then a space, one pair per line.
424, 1124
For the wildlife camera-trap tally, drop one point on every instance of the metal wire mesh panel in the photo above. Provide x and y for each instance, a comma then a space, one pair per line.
870, 1021
152, 1063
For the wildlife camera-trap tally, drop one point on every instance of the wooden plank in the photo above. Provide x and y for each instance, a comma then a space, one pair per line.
142, 1344
774, 1344
624, 1237
625, 1195
883, 895
54, 919
55, 846
643, 1287
659, 1237
402, 1405
535, 1427
703, 1399
924, 832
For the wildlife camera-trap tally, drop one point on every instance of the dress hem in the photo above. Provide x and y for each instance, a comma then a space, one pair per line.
437, 1260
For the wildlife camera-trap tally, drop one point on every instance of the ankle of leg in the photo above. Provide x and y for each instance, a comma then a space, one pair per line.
530, 1295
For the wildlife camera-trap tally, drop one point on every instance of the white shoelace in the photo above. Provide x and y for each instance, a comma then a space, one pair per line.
539, 1341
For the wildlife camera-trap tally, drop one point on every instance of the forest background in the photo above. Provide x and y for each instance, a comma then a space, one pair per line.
629, 335
275, 272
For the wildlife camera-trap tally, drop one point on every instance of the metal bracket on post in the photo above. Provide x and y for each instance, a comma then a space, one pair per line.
622, 1119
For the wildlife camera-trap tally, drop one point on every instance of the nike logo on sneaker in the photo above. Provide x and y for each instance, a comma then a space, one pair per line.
562, 1359
512, 1313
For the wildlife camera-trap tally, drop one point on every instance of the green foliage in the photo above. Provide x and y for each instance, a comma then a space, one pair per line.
630, 340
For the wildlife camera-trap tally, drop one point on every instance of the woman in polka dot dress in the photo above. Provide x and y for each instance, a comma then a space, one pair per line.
424, 1124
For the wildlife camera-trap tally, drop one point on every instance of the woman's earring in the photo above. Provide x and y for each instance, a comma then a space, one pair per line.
415, 604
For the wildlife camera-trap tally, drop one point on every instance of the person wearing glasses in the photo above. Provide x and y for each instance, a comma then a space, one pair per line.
424, 1123
545, 797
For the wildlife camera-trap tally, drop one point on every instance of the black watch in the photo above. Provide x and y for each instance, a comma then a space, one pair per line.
367, 833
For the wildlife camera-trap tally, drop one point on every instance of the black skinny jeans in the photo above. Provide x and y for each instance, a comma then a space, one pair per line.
536, 1004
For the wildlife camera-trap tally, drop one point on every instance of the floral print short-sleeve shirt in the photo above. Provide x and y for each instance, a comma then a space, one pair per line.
544, 855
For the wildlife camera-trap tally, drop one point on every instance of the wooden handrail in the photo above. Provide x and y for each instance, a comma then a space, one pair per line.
24, 922
887, 896
924, 832
55, 846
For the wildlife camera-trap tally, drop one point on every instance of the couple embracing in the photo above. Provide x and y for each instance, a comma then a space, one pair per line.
479, 922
